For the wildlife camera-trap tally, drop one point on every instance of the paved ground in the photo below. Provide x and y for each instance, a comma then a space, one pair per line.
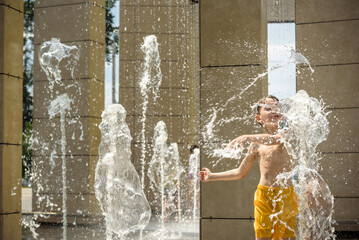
51, 232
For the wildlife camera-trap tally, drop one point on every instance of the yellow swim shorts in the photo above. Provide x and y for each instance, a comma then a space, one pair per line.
274, 212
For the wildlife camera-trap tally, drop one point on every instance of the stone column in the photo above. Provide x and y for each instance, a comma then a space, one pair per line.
11, 43
80, 23
172, 22
232, 55
327, 33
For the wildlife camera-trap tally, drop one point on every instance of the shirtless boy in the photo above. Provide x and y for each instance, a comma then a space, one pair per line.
275, 207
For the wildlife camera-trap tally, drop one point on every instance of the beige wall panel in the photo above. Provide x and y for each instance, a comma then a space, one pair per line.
127, 19
228, 199
11, 41
175, 74
155, 2
79, 22
87, 67
10, 110
10, 226
177, 128
171, 46
10, 179
345, 226
48, 3
321, 10
343, 136
49, 174
234, 39
77, 204
336, 85
345, 209
127, 44
224, 229
226, 88
82, 136
162, 19
87, 97
17, 4
281, 10
341, 171
326, 44
128, 75
127, 100
169, 102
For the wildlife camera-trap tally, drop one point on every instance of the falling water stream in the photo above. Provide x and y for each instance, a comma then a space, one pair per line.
51, 55
59, 106
150, 83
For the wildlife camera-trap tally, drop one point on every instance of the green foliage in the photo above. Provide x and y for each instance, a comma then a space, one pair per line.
27, 151
28, 63
111, 38
27, 102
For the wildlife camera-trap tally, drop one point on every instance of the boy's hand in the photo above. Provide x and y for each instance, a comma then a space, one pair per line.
204, 174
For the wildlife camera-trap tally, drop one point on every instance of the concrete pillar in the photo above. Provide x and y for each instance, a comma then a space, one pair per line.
80, 23
327, 34
232, 54
11, 43
173, 23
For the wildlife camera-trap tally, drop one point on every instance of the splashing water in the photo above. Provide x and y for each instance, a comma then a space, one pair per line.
164, 173
51, 53
305, 128
299, 58
117, 184
194, 167
59, 106
150, 82
212, 122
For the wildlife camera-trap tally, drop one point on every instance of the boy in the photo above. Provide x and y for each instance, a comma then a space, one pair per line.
275, 208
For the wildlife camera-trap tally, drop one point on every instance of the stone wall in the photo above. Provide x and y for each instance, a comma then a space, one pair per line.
11, 78
174, 23
80, 23
232, 55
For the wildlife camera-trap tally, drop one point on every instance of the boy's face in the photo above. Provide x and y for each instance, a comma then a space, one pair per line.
269, 114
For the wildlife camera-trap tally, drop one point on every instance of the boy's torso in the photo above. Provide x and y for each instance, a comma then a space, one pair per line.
273, 160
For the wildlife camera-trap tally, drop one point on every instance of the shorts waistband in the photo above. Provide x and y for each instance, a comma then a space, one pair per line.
274, 189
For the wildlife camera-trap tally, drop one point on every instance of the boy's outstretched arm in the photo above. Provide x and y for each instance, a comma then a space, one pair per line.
235, 174
266, 139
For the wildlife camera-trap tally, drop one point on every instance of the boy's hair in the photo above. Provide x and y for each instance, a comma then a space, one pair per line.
193, 147
262, 101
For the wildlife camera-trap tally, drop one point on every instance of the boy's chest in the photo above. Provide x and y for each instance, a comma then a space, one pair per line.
272, 151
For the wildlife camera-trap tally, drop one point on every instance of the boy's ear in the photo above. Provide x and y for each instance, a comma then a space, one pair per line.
258, 119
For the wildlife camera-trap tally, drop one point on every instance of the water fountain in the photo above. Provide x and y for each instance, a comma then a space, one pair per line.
150, 82
165, 172
194, 168
117, 184
51, 54
305, 173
